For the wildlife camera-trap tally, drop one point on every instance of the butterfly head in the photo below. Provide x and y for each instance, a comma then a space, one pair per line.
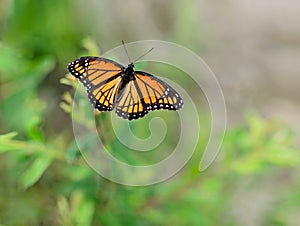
131, 65
129, 69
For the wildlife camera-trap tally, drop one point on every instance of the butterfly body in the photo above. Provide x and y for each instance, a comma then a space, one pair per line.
127, 75
133, 93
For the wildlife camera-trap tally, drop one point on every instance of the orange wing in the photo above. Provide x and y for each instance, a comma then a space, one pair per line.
101, 77
146, 93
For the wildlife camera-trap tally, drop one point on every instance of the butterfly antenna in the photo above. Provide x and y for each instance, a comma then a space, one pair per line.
143, 55
126, 51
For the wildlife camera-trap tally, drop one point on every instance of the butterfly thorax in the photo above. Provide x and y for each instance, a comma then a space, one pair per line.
128, 73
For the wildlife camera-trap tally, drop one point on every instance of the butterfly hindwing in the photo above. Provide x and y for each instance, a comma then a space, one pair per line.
130, 105
101, 77
145, 93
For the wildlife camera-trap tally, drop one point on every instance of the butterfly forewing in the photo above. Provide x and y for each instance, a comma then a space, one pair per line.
101, 77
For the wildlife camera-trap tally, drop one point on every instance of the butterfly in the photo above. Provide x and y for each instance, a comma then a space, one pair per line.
132, 93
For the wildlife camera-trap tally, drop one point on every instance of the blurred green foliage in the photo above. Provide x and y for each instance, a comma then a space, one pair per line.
45, 180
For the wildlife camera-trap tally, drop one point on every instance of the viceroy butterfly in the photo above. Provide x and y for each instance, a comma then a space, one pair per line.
133, 93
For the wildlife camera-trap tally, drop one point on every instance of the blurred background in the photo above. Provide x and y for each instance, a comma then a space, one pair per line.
252, 46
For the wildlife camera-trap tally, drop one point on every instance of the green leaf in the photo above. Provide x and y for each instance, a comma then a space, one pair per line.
36, 133
66, 81
65, 107
35, 170
264, 143
85, 212
8, 136
6, 143
65, 216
